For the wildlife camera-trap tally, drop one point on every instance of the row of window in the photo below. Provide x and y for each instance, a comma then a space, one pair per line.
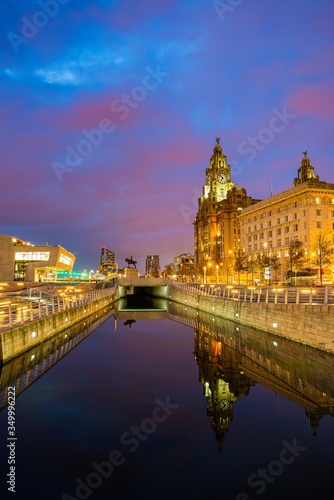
269, 234
285, 208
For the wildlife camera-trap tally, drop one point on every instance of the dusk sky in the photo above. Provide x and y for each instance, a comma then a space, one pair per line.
110, 110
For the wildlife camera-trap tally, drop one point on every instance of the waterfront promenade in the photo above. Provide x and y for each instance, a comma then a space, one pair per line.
304, 315
33, 316
276, 295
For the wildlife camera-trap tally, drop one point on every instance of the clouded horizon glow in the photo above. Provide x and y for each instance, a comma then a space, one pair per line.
110, 110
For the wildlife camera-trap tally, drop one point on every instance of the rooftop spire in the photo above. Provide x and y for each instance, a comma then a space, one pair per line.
305, 171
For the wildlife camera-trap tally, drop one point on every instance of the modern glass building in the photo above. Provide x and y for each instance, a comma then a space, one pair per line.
23, 261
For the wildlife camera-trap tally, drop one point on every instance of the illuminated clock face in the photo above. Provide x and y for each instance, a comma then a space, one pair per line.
208, 179
224, 405
222, 177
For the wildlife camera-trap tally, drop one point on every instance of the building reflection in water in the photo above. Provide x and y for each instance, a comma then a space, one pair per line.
25, 369
232, 358
219, 372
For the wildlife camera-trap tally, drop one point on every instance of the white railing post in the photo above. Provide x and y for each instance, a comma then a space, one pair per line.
326, 296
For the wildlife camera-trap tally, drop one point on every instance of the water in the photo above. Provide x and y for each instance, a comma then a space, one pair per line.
179, 412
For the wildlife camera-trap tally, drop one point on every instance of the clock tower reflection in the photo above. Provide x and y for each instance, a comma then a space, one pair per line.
223, 383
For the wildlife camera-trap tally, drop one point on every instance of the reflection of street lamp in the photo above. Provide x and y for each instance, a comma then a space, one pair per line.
204, 281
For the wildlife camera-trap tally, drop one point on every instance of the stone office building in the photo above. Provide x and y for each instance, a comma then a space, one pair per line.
216, 227
230, 223
302, 213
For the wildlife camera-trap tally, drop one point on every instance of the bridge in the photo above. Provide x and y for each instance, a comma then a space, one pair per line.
156, 287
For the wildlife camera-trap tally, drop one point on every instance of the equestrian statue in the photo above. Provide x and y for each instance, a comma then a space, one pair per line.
131, 262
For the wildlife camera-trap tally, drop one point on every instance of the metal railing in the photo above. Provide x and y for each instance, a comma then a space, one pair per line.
23, 310
268, 295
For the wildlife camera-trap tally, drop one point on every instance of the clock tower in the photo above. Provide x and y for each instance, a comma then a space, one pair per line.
216, 229
217, 176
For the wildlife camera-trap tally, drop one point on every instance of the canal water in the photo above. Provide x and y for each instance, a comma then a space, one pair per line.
179, 406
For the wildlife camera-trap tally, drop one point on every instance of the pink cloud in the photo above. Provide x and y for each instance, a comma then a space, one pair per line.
313, 99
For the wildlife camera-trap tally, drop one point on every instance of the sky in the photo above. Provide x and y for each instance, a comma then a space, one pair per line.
110, 110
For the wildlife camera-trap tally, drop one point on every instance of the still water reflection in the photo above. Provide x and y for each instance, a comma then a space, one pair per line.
183, 405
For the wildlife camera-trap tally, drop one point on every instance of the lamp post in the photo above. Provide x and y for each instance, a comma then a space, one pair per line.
228, 265
216, 273
204, 280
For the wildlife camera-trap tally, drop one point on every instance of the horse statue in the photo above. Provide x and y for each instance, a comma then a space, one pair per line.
129, 322
131, 262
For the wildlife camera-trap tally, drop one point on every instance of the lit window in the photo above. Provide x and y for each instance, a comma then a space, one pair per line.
65, 259
317, 201
36, 256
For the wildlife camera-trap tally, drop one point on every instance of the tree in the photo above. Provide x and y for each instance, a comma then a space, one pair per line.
252, 265
295, 257
275, 264
228, 266
323, 253
263, 262
240, 264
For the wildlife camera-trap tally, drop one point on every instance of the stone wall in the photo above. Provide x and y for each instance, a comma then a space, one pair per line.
312, 325
22, 338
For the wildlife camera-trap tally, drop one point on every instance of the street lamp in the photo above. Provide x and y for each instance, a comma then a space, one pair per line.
228, 263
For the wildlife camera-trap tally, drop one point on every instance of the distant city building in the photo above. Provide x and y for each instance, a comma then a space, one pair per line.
184, 266
152, 267
169, 270
22, 261
107, 264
